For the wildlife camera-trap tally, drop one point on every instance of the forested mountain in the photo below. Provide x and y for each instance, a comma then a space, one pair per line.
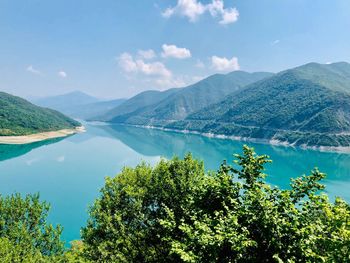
78, 104
307, 105
181, 102
137, 102
20, 117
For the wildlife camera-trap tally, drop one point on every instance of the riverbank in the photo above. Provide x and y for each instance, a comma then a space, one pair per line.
25, 139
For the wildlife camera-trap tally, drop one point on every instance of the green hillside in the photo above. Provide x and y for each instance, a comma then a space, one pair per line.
308, 105
20, 117
190, 99
139, 101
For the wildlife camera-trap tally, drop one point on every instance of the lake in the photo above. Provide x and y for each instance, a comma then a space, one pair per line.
68, 173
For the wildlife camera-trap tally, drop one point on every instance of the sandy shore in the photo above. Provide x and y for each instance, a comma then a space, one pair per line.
39, 136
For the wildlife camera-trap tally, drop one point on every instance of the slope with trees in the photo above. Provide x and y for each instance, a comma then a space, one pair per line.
186, 100
308, 105
20, 117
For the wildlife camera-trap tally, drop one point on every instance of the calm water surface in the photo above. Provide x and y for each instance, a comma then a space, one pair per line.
69, 172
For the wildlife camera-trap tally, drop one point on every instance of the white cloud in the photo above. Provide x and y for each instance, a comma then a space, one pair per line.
175, 52
228, 15
62, 74
275, 42
224, 64
199, 64
193, 9
31, 69
147, 54
129, 64
189, 8
154, 68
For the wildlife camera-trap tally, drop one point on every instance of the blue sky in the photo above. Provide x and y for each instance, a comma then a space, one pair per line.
114, 48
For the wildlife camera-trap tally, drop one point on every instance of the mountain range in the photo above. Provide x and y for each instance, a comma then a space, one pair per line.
77, 104
307, 105
176, 104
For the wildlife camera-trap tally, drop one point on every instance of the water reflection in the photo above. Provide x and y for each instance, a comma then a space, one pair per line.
9, 151
287, 161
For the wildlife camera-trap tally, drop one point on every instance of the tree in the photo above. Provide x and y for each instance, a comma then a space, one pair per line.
25, 233
175, 212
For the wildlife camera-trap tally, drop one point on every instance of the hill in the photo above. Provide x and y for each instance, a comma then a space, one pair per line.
307, 105
136, 103
20, 117
185, 101
78, 104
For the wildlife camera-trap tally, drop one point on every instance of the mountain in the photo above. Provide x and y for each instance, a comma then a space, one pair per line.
78, 104
20, 117
308, 105
139, 101
182, 102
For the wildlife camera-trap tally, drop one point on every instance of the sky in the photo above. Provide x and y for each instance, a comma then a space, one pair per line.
116, 49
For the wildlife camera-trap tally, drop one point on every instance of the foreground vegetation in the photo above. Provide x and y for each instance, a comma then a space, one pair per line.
176, 212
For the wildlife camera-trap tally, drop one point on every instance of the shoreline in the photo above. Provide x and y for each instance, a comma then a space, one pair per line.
42, 136
272, 142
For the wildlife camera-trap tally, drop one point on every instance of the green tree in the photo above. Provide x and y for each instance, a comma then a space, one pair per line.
25, 235
175, 212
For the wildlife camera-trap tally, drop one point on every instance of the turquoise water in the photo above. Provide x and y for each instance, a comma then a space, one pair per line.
69, 172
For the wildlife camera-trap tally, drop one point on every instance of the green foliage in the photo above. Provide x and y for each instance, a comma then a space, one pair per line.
175, 212
19, 117
24, 232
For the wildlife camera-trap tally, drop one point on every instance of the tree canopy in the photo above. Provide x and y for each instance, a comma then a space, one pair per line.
176, 212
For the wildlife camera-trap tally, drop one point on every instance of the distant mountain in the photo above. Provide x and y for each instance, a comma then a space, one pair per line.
78, 104
20, 117
177, 104
136, 103
307, 105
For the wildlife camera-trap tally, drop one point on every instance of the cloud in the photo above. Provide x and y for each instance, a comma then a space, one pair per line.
224, 64
275, 42
188, 8
193, 9
62, 74
175, 52
199, 64
31, 69
129, 64
228, 15
154, 68
147, 54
